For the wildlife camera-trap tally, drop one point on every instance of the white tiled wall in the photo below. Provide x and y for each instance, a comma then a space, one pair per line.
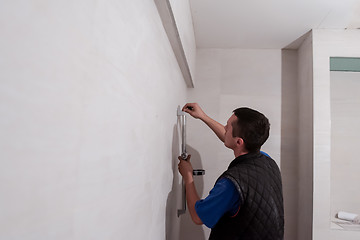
327, 43
290, 141
296, 133
305, 139
345, 139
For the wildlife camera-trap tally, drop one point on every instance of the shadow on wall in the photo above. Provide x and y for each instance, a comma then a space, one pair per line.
174, 196
188, 229
182, 228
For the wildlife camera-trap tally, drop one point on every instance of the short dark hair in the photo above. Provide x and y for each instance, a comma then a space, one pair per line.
252, 126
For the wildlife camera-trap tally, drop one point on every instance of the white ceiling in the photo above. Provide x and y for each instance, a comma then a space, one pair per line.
261, 24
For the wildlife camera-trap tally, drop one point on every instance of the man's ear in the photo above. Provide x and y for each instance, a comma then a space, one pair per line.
240, 142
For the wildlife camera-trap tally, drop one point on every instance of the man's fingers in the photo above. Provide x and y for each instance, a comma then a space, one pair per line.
187, 159
185, 108
188, 107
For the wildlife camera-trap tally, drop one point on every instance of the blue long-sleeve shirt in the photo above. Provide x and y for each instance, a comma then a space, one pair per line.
222, 199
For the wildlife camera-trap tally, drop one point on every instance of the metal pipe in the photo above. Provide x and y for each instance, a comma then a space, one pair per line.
183, 204
184, 155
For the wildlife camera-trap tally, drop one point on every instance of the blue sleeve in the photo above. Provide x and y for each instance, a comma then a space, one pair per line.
222, 199
264, 153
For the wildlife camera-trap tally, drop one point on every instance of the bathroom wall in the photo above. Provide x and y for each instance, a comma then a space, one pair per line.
290, 140
345, 129
89, 141
305, 138
227, 79
296, 138
326, 44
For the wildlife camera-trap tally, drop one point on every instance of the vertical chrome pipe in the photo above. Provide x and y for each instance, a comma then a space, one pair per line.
183, 141
184, 155
183, 203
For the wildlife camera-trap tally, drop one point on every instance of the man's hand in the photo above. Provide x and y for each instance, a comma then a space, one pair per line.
185, 169
194, 110
192, 196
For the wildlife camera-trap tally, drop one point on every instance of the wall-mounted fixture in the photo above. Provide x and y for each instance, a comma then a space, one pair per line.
184, 155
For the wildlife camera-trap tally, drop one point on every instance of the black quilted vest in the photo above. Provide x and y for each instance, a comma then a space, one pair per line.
261, 214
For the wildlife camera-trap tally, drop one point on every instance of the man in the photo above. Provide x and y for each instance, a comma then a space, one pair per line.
246, 201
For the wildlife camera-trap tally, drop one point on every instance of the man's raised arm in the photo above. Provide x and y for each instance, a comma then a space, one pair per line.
195, 111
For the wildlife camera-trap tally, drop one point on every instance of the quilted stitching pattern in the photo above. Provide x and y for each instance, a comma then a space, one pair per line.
261, 215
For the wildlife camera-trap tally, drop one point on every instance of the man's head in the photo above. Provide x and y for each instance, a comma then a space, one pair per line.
246, 129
